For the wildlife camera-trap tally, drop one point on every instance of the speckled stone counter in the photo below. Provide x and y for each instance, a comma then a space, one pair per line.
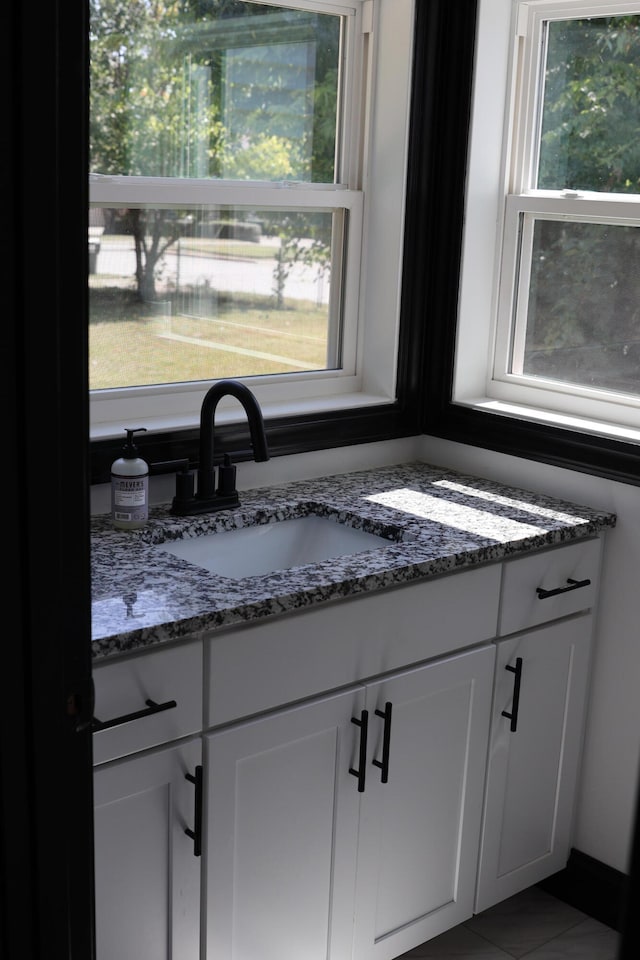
436, 520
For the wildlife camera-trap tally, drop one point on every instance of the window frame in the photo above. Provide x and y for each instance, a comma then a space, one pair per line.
369, 401
174, 401
460, 346
525, 202
509, 385
445, 75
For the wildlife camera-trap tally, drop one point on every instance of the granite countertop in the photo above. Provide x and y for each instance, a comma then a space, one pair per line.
437, 521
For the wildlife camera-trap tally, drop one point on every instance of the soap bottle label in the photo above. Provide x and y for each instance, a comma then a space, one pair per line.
130, 498
130, 492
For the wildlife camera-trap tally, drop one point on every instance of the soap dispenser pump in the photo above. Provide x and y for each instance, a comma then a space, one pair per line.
130, 486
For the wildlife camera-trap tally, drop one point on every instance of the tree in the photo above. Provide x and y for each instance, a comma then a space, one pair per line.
585, 279
591, 112
160, 79
143, 101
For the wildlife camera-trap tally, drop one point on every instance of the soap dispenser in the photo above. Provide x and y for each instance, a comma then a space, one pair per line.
130, 486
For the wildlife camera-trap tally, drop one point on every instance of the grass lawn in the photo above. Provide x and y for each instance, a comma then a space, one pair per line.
130, 345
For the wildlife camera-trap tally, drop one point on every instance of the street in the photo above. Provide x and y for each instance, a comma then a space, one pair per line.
210, 273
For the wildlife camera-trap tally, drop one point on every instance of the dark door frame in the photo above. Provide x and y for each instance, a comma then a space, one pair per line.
46, 825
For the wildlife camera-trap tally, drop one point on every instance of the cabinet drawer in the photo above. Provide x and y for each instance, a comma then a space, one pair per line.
523, 602
122, 690
299, 655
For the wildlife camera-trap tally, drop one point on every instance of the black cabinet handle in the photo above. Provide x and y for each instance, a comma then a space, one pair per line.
196, 833
151, 708
386, 742
573, 585
513, 716
360, 773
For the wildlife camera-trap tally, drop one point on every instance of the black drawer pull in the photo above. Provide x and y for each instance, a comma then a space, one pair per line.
513, 716
573, 585
360, 773
151, 708
196, 833
386, 742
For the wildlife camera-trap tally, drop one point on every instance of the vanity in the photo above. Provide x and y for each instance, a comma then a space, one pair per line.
346, 756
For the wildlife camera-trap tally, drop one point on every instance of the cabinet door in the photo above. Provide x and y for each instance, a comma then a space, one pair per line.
282, 818
147, 879
533, 767
419, 831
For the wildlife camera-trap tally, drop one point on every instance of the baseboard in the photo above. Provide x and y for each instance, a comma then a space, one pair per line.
590, 886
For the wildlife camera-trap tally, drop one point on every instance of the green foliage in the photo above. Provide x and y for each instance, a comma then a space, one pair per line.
591, 114
159, 89
585, 277
150, 109
160, 86
579, 294
266, 158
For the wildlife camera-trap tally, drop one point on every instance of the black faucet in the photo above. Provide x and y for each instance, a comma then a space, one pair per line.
206, 498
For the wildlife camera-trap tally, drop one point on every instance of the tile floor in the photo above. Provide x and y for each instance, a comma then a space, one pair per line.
532, 925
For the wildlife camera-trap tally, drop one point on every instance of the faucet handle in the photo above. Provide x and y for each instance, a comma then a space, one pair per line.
185, 485
226, 477
185, 481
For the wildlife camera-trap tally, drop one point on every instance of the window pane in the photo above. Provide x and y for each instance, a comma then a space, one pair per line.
213, 88
583, 316
199, 294
591, 106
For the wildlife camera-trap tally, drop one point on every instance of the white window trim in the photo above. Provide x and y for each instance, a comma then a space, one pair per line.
374, 194
481, 347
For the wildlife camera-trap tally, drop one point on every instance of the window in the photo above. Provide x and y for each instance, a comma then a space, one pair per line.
549, 325
247, 170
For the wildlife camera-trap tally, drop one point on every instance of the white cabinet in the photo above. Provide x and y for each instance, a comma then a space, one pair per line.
419, 830
148, 700
346, 752
534, 755
281, 837
287, 815
308, 653
549, 585
147, 878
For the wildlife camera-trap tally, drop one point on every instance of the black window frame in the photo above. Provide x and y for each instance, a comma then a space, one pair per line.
441, 96
445, 47
293, 434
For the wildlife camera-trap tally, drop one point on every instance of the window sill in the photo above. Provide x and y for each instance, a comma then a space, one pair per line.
230, 412
581, 425
300, 427
536, 435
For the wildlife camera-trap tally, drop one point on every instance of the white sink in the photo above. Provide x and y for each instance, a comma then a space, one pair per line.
251, 551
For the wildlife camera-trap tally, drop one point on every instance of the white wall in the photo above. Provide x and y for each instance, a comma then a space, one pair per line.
305, 466
607, 796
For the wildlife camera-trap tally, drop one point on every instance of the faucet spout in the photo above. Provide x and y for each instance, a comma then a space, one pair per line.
206, 470
207, 499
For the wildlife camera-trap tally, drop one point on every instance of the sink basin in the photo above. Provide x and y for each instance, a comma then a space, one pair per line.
251, 551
